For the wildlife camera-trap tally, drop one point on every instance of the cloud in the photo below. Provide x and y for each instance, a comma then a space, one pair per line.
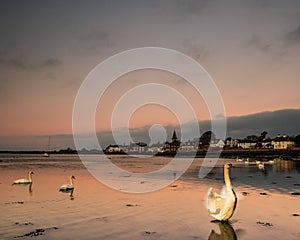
191, 6
258, 43
96, 38
24, 64
275, 122
194, 50
293, 36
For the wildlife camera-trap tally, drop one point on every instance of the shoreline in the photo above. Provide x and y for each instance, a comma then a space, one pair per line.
288, 154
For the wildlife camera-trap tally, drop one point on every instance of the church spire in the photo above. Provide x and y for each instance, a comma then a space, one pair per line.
174, 137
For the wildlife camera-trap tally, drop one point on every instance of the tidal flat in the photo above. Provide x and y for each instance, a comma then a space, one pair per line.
268, 205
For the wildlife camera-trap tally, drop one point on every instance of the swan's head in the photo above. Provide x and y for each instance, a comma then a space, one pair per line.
228, 165
31, 172
72, 177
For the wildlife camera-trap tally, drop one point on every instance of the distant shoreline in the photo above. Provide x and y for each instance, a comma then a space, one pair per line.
228, 153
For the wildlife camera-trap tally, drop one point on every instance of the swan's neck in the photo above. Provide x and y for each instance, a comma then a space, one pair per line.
71, 181
30, 178
227, 179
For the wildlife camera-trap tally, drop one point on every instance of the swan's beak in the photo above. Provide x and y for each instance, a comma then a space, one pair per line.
230, 165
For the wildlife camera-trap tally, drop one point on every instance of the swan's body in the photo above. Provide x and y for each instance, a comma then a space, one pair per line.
222, 206
24, 180
68, 186
261, 166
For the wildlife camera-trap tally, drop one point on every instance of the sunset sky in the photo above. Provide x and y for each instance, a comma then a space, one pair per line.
251, 49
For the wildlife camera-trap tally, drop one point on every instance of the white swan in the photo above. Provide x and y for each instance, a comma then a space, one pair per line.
67, 186
24, 180
261, 166
222, 207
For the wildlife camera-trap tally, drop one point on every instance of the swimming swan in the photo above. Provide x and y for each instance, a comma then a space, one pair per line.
24, 180
222, 207
67, 187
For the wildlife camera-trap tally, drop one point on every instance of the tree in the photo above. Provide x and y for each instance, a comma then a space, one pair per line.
261, 139
253, 138
207, 137
262, 136
297, 140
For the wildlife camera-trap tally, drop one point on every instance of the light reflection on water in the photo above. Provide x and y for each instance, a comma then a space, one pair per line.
176, 212
282, 175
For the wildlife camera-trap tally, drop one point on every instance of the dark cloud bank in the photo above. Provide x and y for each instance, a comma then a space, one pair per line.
275, 122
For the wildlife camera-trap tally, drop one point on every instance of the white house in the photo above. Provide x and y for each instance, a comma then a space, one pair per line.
283, 142
218, 143
113, 149
231, 143
189, 146
155, 148
246, 144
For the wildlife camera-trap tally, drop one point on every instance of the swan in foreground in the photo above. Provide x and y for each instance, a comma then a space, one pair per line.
24, 180
222, 207
67, 186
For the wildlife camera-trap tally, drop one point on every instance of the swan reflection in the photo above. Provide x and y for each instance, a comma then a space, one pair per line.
30, 189
227, 232
29, 185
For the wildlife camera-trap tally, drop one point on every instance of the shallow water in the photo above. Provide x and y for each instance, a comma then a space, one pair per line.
266, 209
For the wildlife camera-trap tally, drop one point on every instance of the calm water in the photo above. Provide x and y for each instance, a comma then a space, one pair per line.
268, 208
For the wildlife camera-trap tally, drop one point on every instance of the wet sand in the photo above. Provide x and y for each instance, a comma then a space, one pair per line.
98, 212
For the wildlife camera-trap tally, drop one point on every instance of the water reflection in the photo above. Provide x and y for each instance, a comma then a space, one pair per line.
226, 232
283, 166
30, 189
29, 185
275, 175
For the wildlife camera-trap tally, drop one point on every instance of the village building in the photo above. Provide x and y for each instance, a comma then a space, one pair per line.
189, 146
113, 149
138, 147
283, 142
173, 146
231, 143
267, 144
217, 143
155, 148
246, 144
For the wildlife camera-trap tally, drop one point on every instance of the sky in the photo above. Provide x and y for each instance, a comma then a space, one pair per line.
251, 50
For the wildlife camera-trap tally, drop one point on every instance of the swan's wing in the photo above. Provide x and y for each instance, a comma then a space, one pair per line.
23, 180
214, 202
224, 191
66, 186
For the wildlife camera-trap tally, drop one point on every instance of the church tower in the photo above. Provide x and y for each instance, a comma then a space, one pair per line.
174, 137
